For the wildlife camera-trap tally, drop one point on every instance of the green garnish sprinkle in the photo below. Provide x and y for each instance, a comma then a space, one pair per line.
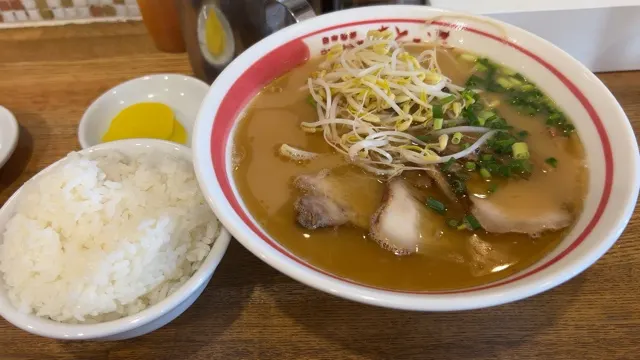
471, 222
520, 150
437, 123
436, 205
456, 138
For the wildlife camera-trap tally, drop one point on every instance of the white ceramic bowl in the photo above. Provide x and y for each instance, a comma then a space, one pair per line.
9, 131
611, 148
143, 322
183, 94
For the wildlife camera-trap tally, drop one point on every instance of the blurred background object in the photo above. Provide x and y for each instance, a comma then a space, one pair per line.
23, 13
161, 20
346, 4
216, 31
596, 28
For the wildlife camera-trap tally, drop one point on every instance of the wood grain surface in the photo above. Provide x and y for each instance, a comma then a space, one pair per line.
48, 76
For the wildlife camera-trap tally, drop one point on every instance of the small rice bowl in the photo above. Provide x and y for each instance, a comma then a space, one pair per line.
102, 237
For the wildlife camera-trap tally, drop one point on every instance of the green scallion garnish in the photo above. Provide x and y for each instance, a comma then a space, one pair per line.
527, 87
437, 111
485, 173
447, 100
552, 161
437, 123
504, 82
470, 165
436, 205
472, 222
311, 100
456, 138
484, 116
520, 150
447, 165
492, 188
453, 223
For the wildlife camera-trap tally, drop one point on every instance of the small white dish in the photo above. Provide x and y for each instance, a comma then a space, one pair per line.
9, 130
149, 319
183, 94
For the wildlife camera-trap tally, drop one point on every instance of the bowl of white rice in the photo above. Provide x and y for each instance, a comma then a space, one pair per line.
110, 243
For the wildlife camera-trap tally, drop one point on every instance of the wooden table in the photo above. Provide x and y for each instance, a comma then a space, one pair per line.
48, 76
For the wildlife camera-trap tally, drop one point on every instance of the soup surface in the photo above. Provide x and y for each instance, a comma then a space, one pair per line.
455, 249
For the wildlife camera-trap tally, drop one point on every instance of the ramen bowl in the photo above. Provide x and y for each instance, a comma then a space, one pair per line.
606, 209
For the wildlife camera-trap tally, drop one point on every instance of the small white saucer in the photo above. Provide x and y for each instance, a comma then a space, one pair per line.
182, 93
9, 130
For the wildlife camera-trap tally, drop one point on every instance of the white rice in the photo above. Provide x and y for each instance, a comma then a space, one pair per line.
104, 237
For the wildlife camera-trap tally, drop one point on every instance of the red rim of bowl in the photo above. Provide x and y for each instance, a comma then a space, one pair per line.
295, 52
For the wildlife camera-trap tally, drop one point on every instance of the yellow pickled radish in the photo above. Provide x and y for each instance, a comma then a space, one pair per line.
179, 133
142, 120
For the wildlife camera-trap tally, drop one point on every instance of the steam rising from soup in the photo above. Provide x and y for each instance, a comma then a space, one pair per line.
410, 167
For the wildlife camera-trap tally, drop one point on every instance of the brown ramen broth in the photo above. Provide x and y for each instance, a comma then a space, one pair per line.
453, 251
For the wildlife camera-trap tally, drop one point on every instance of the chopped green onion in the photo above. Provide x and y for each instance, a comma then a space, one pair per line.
504, 82
437, 111
472, 222
425, 138
568, 129
469, 96
470, 165
527, 87
485, 173
436, 205
453, 223
486, 62
507, 71
552, 161
499, 123
555, 116
521, 166
448, 164
437, 123
311, 100
519, 77
492, 188
531, 110
487, 157
520, 150
456, 138
523, 134
458, 186
448, 99
481, 68
468, 57
471, 116
515, 82
484, 116
474, 80
465, 146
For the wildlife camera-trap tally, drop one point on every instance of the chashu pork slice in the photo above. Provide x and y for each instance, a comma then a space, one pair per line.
336, 197
516, 208
319, 211
402, 224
